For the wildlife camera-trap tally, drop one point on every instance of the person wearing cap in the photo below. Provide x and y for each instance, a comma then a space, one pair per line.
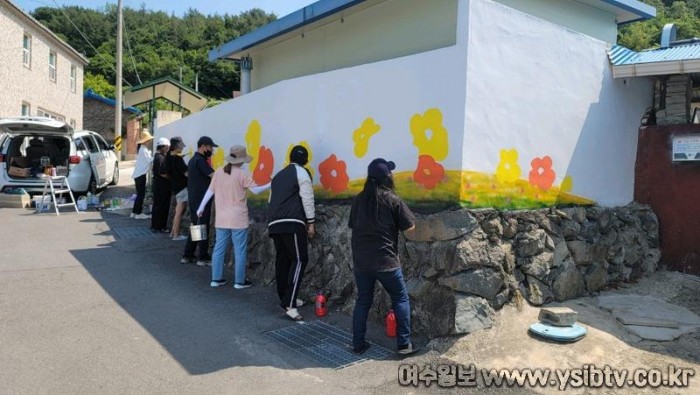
291, 219
377, 216
144, 157
161, 188
228, 186
199, 174
176, 170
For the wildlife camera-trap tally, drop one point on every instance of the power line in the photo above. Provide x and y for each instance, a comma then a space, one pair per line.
88, 41
128, 46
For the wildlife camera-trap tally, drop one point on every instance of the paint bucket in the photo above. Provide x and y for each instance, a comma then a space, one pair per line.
198, 232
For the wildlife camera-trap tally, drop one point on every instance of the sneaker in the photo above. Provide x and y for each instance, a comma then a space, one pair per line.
218, 283
142, 216
300, 302
186, 260
361, 349
180, 238
203, 263
246, 284
132, 215
407, 349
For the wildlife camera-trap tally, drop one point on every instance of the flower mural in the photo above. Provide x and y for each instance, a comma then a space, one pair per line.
252, 141
362, 135
429, 135
334, 176
542, 175
567, 185
304, 144
262, 172
217, 160
429, 172
508, 170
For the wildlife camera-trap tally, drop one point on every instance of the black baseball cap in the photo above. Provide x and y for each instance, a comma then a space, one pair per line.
299, 155
205, 140
380, 168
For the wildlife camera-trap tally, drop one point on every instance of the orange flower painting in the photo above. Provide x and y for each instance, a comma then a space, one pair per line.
542, 175
334, 176
264, 167
429, 172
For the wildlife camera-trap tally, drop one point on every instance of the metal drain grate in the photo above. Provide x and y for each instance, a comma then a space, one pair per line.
132, 232
326, 344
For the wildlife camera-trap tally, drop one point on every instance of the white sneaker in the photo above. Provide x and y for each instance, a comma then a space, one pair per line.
180, 238
132, 215
142, 216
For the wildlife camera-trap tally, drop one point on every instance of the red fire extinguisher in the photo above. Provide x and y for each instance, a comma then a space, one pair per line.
391, 324
321, 309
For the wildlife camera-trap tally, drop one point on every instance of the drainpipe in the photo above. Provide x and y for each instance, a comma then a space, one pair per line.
246, 66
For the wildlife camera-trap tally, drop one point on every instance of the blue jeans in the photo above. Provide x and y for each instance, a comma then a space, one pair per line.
393, 283
239, 237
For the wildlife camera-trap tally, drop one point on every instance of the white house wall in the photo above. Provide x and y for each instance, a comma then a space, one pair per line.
32, 85
571, 14
390, 29
543, 90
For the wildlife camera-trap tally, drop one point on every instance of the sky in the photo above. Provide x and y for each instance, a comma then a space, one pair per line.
179, 7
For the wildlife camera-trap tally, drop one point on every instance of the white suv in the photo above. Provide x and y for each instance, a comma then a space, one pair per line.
29, 143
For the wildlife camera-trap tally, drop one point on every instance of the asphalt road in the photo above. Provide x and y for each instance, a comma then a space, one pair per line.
82, 312
85, 311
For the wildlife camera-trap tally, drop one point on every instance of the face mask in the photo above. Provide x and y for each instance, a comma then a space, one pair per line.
208, 154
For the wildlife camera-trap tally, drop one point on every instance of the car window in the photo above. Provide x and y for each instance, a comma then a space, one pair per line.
90, 144
79, 146
101, 143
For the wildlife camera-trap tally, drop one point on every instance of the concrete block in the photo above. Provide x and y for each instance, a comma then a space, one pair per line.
558, 316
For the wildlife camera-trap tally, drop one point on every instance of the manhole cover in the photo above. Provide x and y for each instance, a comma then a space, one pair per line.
326, 344
132, 232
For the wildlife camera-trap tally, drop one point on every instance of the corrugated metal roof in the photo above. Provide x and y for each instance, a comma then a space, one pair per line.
620, 56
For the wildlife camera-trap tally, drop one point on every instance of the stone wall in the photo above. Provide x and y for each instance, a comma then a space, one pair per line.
462, 265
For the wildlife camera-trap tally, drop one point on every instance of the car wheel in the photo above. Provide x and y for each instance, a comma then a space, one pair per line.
115, 176
92, 186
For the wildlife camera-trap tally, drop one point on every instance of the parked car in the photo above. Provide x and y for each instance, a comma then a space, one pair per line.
28, 144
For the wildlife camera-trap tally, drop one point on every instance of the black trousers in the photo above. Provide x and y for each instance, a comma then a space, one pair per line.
292, 257
191, 246
140, 182
161, 204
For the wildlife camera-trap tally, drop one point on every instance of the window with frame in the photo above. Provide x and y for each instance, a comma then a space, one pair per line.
26, 109
27, 50
52, 66
101, 143
73, 79
43, 113
90, 144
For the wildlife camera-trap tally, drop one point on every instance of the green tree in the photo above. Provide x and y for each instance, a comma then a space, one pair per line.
98, 84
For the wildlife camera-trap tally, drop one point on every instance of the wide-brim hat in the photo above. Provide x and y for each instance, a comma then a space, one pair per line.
238, 154
144, 137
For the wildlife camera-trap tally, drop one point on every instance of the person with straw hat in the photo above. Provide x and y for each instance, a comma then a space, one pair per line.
228, 186
144, 158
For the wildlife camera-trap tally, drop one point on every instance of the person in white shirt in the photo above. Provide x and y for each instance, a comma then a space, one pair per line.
144, 159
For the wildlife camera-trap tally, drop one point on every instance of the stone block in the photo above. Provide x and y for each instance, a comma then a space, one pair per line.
558, 316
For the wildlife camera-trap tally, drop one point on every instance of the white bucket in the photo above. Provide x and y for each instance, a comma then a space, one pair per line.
82, 203
198, 232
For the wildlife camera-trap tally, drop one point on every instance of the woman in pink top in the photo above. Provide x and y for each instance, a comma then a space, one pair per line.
228, 186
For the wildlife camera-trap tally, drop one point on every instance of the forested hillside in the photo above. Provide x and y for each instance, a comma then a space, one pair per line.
158, 45
155, 45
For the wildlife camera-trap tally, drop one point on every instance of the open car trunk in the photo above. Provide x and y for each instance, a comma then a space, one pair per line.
29, 155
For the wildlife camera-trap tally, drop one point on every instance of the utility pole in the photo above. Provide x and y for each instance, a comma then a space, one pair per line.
196, 82
118, 105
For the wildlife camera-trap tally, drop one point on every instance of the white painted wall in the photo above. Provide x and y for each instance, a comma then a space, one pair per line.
545, 90
512, 81
324, 109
